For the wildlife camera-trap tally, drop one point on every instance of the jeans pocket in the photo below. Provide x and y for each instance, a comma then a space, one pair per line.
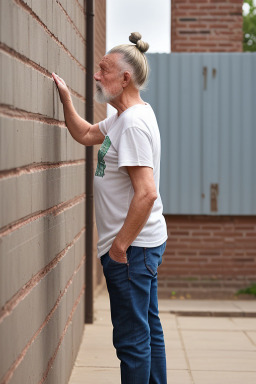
161, 250
153, 258
150, 260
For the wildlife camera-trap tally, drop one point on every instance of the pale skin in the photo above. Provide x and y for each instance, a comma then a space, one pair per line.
120, 83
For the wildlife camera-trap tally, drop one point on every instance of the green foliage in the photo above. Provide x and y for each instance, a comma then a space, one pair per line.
251, 290
249, 28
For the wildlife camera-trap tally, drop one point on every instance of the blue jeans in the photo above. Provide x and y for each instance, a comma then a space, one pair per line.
137, 331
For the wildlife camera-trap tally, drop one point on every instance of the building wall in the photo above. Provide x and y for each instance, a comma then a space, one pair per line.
206, 26
42, 189
208, 255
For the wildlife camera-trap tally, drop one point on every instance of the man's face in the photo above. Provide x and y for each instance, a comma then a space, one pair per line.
108, 79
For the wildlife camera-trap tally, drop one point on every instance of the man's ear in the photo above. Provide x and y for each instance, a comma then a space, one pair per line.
126, 79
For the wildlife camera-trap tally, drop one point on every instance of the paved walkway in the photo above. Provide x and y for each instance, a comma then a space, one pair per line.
207, 342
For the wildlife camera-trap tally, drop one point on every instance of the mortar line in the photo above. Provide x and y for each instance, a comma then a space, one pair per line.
38, 167
8, 110
23, 292
32, 64
71, 21
41, 23
8, 375
56, 210
81, 7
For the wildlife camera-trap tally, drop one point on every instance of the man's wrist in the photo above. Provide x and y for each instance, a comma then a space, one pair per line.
119, 246
68, 104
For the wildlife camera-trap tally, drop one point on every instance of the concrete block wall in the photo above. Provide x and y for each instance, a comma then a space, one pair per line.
206, 26
208, 256
42, 190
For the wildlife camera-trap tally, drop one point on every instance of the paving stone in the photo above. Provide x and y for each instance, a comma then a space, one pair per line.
210, 323
246, 305
216, 340
175, 359
244, 323
178, 377
252, 336
217, 360
81, 375
203, 377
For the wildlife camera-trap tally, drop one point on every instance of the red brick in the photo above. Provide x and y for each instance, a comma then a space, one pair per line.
209, 19
207, 7
201, 233
208, 44
186, 7
188, 253
198, 259
198, 25
197, 1
179, 233
226, 7
222, 25
250, 253
210, 253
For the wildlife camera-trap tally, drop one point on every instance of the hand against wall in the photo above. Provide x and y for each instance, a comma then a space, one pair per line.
62, 88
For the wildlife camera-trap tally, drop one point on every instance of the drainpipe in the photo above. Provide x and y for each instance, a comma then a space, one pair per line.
89, 162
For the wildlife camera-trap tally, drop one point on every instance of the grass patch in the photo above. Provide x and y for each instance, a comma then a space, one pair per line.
251, 290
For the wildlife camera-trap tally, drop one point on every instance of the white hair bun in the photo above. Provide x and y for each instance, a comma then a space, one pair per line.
135, 38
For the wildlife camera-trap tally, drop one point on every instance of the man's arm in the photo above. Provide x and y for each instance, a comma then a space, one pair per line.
80, 129
141, 205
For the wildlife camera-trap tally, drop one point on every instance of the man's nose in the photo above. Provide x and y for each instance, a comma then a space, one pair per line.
96, 76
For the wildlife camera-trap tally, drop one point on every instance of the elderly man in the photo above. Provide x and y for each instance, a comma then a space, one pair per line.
131, 226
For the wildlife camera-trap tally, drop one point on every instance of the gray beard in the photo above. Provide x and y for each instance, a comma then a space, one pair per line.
102, 96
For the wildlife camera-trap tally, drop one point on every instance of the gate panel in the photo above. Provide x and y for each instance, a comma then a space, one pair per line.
205, 104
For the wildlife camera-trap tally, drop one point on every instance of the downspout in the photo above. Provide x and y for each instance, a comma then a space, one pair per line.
89, 162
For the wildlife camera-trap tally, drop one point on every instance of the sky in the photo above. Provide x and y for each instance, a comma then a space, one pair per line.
149, 17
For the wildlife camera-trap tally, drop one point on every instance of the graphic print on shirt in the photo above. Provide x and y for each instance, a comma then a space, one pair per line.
100, 170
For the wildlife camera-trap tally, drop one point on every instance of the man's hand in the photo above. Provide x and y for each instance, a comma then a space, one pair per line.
64, 93
117, 254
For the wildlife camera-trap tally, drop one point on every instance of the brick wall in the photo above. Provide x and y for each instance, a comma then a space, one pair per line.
206, 26
210, 255
42, 188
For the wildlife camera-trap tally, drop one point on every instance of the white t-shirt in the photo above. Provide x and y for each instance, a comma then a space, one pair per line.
131, 139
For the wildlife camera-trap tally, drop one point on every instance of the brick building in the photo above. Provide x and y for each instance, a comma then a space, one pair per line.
206, 26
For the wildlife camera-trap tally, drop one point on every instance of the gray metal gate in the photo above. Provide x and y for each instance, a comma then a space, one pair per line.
205, 104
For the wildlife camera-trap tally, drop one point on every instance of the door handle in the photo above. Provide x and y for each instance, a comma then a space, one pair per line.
205, 77
214, 197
